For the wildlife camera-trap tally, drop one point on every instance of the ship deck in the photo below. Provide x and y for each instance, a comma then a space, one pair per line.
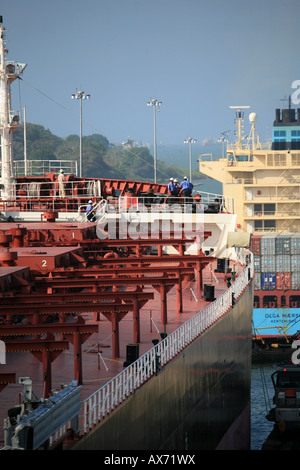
98, 363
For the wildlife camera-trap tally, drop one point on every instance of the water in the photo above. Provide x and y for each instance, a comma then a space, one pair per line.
208, 186
262, 392
179, 154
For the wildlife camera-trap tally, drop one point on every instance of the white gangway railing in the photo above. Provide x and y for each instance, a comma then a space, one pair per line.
113, 393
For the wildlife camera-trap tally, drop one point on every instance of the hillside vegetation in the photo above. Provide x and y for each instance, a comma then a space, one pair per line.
101, 159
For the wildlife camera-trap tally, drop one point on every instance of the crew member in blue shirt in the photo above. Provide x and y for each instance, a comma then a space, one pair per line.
89, 210
171, 187
176, 188
187, 187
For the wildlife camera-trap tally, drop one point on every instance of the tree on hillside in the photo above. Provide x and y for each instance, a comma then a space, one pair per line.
41, 143
132, 163
101, 159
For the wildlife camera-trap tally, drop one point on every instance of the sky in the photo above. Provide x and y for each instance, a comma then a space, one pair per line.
197, 57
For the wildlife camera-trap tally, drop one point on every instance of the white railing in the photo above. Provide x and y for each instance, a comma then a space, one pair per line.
233, 146
40, 167
50, 189
208, 202
106, 399
31, 196
98, 210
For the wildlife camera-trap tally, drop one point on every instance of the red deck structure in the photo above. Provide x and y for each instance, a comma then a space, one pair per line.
54, 299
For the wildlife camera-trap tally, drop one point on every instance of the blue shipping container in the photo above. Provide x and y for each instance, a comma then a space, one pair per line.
268, 281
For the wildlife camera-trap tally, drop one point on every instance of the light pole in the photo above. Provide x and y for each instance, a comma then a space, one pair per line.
190, 140
80, 95
155, 103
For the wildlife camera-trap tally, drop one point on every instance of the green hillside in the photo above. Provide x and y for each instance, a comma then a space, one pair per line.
101, 159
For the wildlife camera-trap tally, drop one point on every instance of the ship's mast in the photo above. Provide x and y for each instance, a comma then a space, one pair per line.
240, 118
253, 134
9, 120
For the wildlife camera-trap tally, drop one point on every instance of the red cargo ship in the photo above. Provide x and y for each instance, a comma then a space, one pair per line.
136, 319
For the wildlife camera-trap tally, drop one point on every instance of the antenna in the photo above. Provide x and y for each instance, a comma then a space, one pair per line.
224, 139
289, 101
253, 133
240, 118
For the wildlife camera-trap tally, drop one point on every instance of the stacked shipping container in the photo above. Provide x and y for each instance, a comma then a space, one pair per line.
276, 261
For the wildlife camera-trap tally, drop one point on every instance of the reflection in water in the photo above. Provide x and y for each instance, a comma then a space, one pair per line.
262, 392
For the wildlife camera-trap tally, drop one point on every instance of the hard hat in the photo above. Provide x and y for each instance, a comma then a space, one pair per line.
185, 178
61, 170
90, 201
175, 181
171, 179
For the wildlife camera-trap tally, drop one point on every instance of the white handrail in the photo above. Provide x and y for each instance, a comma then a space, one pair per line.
104, 400
40, 167
98, 210
141, 203
33, 194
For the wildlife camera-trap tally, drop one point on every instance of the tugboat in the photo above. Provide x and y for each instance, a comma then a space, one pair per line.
286, 382
285, 434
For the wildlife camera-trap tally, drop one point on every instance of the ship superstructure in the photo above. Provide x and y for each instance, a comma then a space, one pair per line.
263, 179
264, 182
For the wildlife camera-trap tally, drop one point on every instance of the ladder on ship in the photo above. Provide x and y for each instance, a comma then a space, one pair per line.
289, 193
287, 176
289, 209
98, 210
290, 225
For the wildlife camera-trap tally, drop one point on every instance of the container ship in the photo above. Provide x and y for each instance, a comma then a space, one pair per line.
264, 182
132, 317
